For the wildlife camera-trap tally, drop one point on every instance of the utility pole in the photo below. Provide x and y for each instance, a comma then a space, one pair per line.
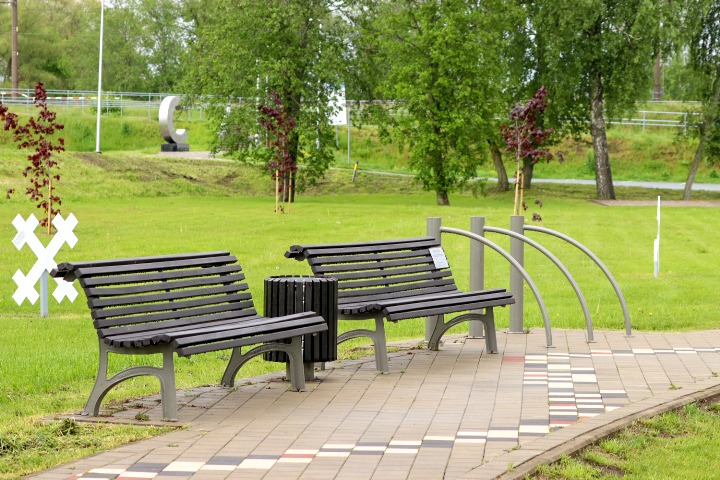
14, 59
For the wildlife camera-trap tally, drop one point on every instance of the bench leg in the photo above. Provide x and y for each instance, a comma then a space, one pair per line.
488, 320
378, 338
381, 356
103, 384
294, 367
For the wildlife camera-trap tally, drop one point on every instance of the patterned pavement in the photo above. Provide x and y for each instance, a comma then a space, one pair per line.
456, 413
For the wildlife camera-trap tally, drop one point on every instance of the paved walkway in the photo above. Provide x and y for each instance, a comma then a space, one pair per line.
711, 187
456, 413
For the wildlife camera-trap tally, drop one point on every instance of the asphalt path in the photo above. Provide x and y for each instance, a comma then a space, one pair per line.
710, 187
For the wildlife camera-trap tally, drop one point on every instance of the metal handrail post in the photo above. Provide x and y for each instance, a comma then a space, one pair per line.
477, 270
517, 250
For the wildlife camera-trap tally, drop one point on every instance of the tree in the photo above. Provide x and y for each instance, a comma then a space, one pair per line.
702, 29
444, 72
244, 50
49, 50
37, 134
597, 56
525, 136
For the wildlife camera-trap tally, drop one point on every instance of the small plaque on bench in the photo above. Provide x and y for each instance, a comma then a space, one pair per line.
439, 258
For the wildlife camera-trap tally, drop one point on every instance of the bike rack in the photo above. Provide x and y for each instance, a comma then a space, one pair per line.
518, 274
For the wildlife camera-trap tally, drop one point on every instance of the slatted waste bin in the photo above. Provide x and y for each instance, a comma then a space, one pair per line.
294, 294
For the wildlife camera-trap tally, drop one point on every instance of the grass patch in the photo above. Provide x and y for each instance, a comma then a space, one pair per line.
679, 444
30, 446
131, 204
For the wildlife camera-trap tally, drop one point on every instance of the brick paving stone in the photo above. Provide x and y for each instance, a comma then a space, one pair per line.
459, 412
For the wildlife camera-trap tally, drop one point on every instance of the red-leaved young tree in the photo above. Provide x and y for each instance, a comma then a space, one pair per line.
279, 125
41, 172
525, 136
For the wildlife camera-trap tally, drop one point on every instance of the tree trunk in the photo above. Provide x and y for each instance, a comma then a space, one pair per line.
657, 79
443, 199
603, 175
705, 129
502, 177
696, 164
528, 169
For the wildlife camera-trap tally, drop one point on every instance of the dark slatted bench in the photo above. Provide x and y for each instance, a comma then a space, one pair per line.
186, 304
398, 280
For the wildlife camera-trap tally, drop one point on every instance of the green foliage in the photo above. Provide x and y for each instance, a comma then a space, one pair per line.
293, 48
445, 99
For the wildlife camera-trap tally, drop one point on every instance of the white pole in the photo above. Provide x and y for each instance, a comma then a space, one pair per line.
99, 102
657, 242
347, 110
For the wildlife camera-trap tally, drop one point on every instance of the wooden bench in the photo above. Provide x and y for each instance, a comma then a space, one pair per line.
396, 280
184, 304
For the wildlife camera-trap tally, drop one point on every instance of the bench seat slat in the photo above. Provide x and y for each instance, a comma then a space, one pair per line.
197, 336
157, 276
378, 302
116, 301
375, 265
445, 284
301, 251
389, 273
406, 280
154, 266
164, 286
318, 262
431, 301
236, 327
442, 310
196, 349
187, 313
219, 318
159, 307
365, 297
335, 250
72, 266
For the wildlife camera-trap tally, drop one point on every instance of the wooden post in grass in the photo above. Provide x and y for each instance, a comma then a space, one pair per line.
277, 190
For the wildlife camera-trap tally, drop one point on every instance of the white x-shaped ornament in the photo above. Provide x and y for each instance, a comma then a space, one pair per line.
46, 257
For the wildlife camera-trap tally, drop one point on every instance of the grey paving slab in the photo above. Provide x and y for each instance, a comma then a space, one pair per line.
456, 413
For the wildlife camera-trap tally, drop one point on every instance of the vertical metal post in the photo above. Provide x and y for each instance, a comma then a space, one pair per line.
433, 230
44, 294
517, 250
477, 269
100, 62
348, 142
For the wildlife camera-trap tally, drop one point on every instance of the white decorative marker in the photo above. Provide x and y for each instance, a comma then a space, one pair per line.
45, 262
657, 243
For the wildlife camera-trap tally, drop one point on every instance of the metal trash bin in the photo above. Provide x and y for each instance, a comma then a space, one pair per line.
285, 295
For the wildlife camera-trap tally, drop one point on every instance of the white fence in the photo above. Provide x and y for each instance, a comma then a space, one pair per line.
146, 105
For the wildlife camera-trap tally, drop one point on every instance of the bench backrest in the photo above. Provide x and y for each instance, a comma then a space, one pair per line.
368, 271
162, 292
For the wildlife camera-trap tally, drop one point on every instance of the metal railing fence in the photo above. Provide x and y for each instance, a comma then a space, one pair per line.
146, 105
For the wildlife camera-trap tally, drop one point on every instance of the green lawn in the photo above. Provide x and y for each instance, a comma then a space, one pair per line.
129, 205
679, 444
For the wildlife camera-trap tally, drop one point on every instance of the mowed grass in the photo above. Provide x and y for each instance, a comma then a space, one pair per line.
678, 444
131, 205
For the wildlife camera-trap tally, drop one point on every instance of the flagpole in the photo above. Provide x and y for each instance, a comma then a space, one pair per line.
99, 100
